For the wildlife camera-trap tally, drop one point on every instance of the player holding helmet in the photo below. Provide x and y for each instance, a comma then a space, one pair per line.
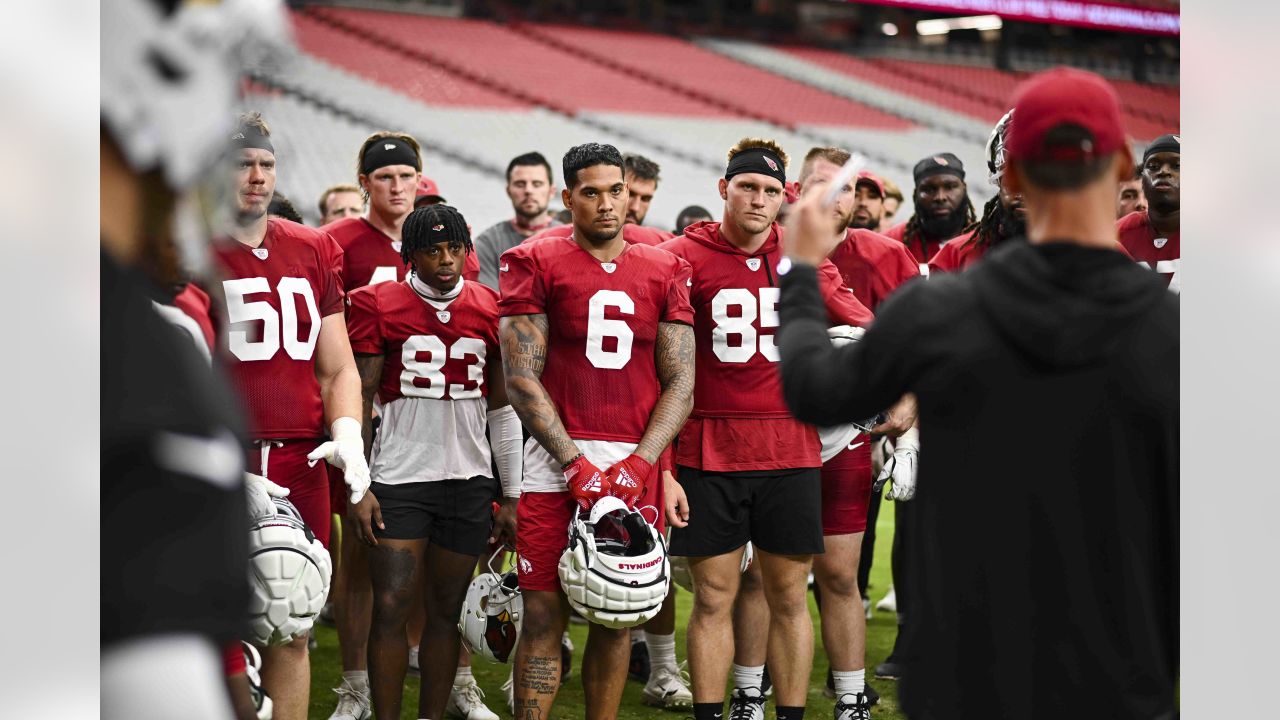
288, 355
598, 355
427, 346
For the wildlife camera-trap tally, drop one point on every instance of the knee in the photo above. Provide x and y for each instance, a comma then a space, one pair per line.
391, 606
713, 599
541, 617
839, 581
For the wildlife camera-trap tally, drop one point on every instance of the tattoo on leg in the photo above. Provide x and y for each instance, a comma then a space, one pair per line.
541, 675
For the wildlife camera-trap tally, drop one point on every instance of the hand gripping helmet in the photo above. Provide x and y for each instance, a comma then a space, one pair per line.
837, 437
996, 157
289, 572
615, 570
492, 614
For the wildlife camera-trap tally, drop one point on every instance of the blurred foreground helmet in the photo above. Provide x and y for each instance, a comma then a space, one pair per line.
996, 155
289, 573
615, 570
491, 614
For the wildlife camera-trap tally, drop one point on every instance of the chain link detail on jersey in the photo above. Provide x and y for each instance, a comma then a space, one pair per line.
432, 370
744, 325
598, 328
275, 325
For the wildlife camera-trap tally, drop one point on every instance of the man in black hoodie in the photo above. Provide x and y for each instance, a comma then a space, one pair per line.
1073, 354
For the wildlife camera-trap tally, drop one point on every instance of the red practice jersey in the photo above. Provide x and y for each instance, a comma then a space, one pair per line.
603, 317
740, 420
631, 233
1162, 254
276, 295
922, 250
430, 353
872, 265
370, 256
195, 303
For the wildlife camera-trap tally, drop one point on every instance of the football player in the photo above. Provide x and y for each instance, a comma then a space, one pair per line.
1153, 236
1129, 198
598, 352
942, 204
742, 459
340, 201
388, 169
288, 356
428, 347
529, 187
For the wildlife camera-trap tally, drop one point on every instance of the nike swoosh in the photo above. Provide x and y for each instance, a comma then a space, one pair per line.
855, 446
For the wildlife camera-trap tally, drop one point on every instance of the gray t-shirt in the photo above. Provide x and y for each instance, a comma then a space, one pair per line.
494, 241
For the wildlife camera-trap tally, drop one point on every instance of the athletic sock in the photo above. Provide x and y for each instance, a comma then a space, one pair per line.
708, 711
463, 676
662, 651
790, 713
358, 680
638, 636
849, 682
745, 676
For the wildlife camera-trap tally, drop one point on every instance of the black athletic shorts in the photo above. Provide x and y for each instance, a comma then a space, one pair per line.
779, 512
457, 515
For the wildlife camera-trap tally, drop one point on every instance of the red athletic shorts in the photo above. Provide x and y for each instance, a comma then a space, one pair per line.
308, 486
542, 531
338, 492
846, 488
233, 662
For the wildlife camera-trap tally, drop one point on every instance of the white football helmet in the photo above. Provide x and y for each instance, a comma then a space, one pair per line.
615, 570
289, 572
492, 614
997, 157
837, 437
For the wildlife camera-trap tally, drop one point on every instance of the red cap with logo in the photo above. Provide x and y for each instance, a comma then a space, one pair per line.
1064, 96
428, 188
872, 179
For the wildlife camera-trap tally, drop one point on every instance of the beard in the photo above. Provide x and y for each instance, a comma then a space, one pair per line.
870, 224
945, 227
1011, 225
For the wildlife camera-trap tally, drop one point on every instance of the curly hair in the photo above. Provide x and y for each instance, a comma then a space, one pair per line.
415, 233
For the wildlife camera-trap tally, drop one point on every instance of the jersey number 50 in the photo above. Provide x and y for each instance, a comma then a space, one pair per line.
742, 325
275, 325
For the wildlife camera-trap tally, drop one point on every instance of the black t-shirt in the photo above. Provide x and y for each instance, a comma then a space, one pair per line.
1046, 583
174, 533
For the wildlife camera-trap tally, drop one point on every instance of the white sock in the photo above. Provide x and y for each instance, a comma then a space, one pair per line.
849, 682
358, 680
745, 676
637, 636
662, 651
463, 676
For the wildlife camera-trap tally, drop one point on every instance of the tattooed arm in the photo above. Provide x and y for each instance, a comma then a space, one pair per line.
370, 368
674, 351
524, 353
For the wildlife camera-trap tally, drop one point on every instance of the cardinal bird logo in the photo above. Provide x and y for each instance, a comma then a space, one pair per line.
500, 633
437, 228
941, 160
772, 165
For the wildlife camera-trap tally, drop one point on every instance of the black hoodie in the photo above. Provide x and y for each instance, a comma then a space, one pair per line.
1047, 379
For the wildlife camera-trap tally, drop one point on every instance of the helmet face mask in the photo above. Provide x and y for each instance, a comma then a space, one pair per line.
997, 157
492, 614
615, 570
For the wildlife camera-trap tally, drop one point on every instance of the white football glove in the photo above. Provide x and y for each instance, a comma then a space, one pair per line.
345, 452
259, 492
842, 335
901, 467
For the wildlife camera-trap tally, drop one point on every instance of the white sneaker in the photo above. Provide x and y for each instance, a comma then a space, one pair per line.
352, 704
746, 704
414, 668
889, 603
467, 702
668, 689
509, 687
866, 607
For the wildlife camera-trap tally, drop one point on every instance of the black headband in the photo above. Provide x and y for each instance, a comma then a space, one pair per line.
250, 136
388, 151
757, 160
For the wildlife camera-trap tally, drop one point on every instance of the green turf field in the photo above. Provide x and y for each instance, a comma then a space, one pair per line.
326, 669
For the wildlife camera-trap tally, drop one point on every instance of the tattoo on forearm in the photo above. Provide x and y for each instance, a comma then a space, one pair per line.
674, 362
524, 354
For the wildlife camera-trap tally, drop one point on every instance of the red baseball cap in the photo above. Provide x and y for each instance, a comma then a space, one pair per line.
791, 192
1064, 96
428, 188
873, 179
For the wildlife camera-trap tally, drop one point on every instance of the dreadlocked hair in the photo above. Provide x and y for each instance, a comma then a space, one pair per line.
912, 230
417, 232
988, 228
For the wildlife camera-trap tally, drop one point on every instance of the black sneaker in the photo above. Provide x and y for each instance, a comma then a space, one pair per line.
638, 668
873, 697
852, 707
889, 670
766, 683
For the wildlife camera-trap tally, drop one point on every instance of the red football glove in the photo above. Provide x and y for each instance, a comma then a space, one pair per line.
586, 482
627, 477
